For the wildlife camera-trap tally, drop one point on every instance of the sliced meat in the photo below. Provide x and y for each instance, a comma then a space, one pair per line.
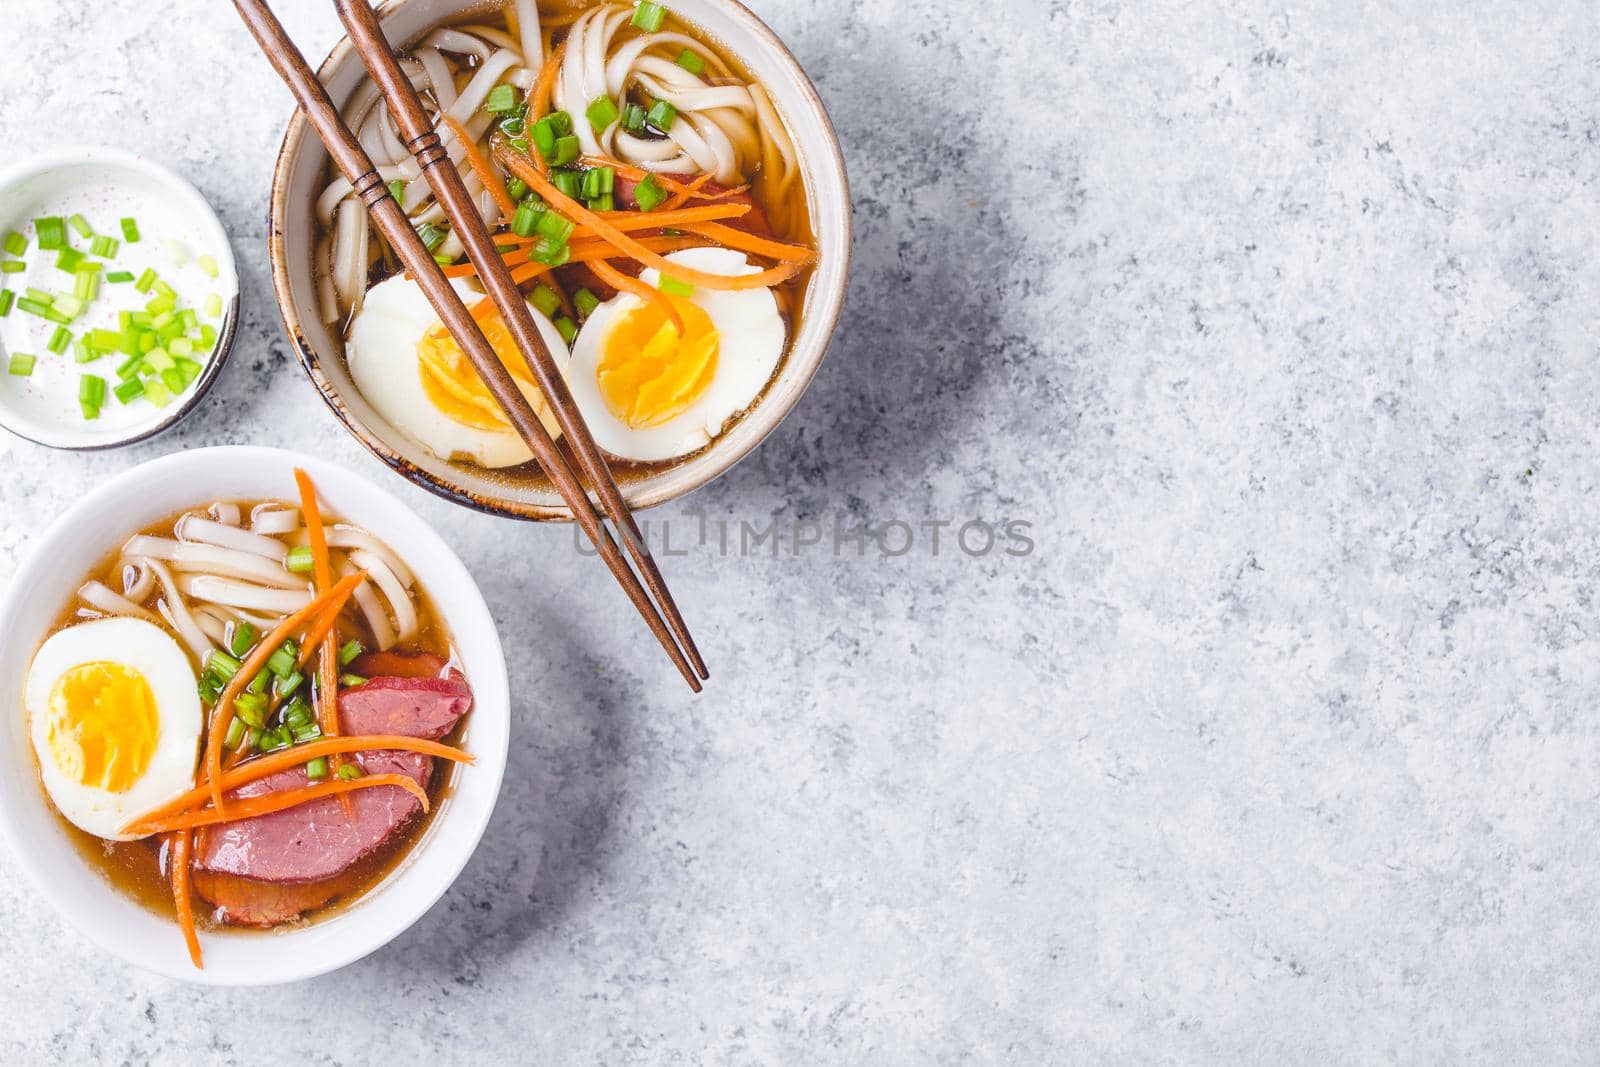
313, 844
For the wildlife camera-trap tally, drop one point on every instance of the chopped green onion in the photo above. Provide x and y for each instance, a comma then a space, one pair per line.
585, 302
633, 118
118, 277
668, 284
6, 299
208, 265
212, 305
567, 328
554, 226
561, 122
501, 98
81, 224
236, 730
662, 115
517, 188
86, 286
130, 231
317, 768
287, 686
163, 289
104, 247
567, 149
550, 252
591, 184
397, 188
70, 306
602, 113
156, 393
432, 236
519, 144
649, 16
298, 714
605, 202
221, 664
309, 732
59, 340
129, 391
82, 353
146, 280
569, 182
298, 559
156, 305
350, 771
350, 680
528, 212
649, 194
514, 122
282, 660
189, 369
13, 266
691, 62
241, 637
158, 360
272, 740
544, 136
180, 346
129, 367
91, 390
252, 707
349, 652
21, 364
546, 300
89, 412
16, 244
52, 231
173, 379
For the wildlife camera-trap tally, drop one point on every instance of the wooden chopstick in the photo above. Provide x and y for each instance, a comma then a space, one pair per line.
422, 140
357, 166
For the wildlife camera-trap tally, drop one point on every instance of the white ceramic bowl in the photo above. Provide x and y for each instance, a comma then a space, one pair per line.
59, 560
300, 177
106, 185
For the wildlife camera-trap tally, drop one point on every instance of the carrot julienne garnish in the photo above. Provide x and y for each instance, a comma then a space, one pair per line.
287, 759
641, 220
268, 803
322, 572
679, 199
622, 283
482, 168
222, 711
748, 242
628, 246
178, 857
539, 95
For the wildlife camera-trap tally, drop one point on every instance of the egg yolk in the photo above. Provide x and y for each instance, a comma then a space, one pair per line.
103, 725
452, 383
649, 374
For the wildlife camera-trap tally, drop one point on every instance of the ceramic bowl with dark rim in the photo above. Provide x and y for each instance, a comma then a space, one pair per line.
302, 172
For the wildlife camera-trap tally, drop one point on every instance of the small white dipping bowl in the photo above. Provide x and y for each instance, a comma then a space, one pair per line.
60, 559
105, 186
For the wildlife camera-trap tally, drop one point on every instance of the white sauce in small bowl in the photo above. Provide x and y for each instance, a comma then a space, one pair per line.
105, 187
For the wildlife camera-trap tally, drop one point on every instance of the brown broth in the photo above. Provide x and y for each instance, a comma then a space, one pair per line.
792, 223
137, 869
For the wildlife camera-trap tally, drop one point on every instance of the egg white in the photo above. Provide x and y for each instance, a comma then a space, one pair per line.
382, 353
165, 666
750, 337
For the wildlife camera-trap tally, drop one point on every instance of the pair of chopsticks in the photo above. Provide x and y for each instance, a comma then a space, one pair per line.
451, 192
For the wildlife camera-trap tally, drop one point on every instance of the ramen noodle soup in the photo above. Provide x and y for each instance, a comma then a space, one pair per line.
246, 714
647, 198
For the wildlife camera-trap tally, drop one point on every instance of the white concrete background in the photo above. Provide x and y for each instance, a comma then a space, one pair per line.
1278, 323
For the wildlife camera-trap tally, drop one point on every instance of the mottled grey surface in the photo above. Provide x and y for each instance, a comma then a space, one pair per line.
1278, 323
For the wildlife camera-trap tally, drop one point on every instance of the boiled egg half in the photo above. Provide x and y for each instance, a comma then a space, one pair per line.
115, 720
649, 393
408, 367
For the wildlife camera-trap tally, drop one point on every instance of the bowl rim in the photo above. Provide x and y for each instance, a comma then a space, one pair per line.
105, 157
490, 742
673, 483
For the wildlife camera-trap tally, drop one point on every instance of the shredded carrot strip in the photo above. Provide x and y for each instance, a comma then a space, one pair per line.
288, 758
483, 308
641, 220
621, 282
539, 95
589, 251
267, 803
519, 165
322, 572
178, 856
483, 169
694, 187
638, 174
749, 242
222, 712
